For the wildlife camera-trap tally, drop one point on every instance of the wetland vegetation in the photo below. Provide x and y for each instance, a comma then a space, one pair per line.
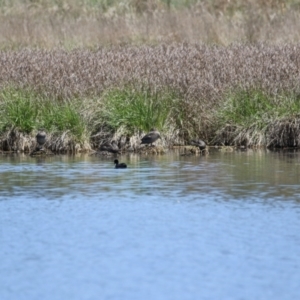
90, 72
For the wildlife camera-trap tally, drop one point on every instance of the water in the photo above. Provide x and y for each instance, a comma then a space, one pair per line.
224, 226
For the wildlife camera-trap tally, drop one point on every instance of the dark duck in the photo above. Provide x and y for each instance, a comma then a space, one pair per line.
151, 137
119, 165
198, 143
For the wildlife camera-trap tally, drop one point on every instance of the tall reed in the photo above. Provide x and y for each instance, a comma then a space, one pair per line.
90, 23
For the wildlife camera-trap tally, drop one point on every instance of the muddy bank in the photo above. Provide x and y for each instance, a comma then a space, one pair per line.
280, 134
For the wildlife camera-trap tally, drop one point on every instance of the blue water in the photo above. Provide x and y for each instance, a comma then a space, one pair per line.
225, 226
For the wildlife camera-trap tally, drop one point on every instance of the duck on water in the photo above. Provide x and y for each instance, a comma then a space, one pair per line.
119, 165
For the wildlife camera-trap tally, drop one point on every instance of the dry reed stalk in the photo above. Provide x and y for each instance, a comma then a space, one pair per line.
16, 141
70, 24
284, 133
197, 71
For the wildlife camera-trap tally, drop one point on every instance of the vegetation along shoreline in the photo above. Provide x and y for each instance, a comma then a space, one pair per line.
239, 95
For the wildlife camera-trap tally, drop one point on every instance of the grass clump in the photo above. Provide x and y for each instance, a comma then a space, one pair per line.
246, 107
25, 111
249, 115
139, 110
62, 117
18, 109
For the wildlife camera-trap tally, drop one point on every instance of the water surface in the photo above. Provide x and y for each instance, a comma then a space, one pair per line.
223, 226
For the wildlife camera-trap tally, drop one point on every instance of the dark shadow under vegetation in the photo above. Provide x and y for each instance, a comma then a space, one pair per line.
241, 95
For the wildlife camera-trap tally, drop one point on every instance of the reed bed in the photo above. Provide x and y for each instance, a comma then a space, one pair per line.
226, 95
89, 23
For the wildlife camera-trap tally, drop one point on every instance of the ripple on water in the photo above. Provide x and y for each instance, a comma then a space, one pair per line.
166, 227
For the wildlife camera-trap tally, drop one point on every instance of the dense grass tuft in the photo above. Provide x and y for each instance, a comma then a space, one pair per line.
61, 117
18, 109
139, 110
26, 111
248, 116
245, 107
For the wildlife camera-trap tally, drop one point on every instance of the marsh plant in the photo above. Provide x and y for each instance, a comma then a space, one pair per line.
18, 109
249, 115
246, 107
61, 117
23, 110
183, 89
139, 110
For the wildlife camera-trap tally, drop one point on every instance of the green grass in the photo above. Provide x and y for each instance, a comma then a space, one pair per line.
246, 107
18, 109
248, 115
139, 110
57, 117
128, 108
26, 111
288, 104
254, 106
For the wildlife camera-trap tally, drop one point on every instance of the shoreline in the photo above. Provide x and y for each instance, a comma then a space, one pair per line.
240, 95
30, 147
